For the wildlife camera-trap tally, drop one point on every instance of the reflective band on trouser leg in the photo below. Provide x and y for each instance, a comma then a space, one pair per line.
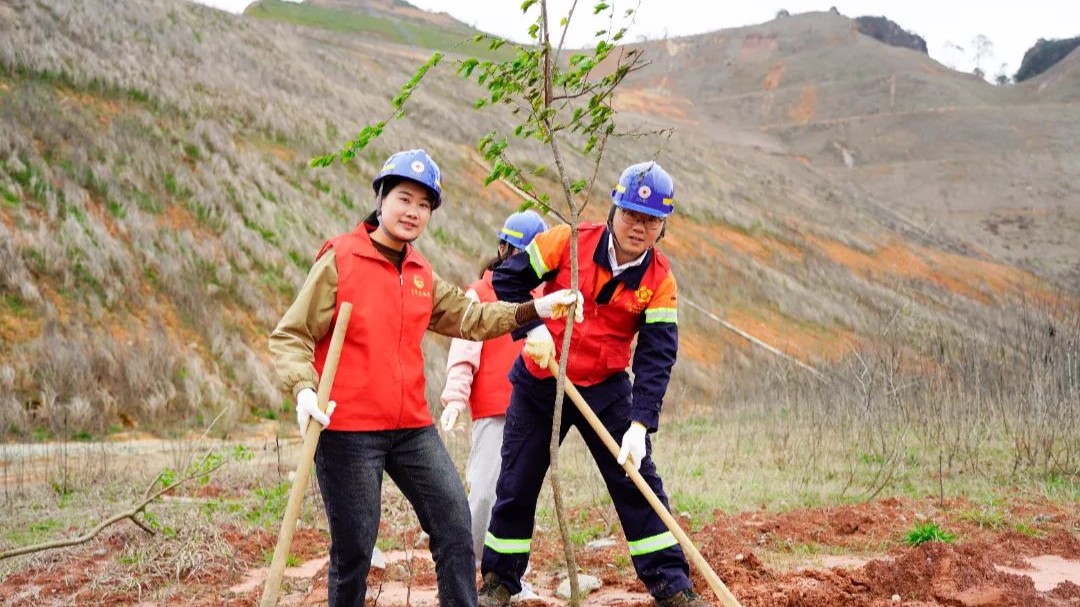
508, 546
655, 543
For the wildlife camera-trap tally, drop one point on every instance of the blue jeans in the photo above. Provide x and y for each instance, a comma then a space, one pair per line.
350, 467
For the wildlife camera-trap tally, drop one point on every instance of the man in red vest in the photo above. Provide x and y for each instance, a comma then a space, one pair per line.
476, 380
381, 422
629, 291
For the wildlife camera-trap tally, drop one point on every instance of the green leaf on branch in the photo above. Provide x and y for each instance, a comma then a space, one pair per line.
526, 5
578, 186
319, 162
599, 8
467, 66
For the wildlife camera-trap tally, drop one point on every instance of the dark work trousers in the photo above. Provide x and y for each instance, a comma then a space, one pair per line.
350, 469
657, 557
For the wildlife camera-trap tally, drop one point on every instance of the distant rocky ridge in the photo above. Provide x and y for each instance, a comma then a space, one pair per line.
1044, 55
890, 33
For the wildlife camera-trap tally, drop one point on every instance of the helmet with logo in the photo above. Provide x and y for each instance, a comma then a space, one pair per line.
414, 165
645, 188
520, 228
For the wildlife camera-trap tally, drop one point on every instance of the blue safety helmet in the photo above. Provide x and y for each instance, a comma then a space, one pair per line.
414, 165
520, 228
645, 188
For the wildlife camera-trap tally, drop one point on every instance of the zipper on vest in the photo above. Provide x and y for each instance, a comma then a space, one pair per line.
401, 334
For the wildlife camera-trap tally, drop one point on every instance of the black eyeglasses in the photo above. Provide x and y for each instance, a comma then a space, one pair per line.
649, 222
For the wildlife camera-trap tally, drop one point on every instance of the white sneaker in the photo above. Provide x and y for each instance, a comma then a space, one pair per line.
525, 594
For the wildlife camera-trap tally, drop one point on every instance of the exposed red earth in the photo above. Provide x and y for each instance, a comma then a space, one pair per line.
1023, 554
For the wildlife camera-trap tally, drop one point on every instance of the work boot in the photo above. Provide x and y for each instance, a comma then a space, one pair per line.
493, 593
683, 598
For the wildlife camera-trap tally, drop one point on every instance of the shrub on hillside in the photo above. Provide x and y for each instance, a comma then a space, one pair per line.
1044, 55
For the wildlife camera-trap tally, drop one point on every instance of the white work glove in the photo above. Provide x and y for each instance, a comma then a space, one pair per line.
633, 443
307, 407
450, 415
557, 305
540, 346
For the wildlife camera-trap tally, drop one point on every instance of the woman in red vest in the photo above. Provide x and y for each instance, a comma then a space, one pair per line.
379, 419
629, 292
476, 380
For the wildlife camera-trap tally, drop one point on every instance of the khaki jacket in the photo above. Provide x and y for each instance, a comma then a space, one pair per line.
308, 320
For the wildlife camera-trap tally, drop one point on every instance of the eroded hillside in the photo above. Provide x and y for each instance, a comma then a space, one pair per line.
158, 212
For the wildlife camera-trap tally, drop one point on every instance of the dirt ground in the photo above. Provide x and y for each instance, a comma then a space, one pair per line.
1025, 555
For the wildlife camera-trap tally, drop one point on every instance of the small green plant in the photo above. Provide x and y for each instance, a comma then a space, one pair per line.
928, 532
269, 505
290, 561
583, 535
155, 523
14, 303
298, 260
116, 208
9, 197
192, 151
622, 561
387, 544
1028, 530
986, 517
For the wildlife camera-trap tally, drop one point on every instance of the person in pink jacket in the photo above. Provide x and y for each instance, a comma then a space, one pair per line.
476, 380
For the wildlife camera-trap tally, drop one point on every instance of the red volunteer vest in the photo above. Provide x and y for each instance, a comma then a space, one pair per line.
600, 345
380, 377
490, 394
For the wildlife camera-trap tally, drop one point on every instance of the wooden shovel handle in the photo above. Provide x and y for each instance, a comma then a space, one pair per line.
303, 465
688, 546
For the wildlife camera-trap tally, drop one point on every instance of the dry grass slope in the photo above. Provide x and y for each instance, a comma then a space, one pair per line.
157, 214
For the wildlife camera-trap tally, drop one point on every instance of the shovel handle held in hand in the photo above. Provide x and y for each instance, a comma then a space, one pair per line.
303, 466
630, 467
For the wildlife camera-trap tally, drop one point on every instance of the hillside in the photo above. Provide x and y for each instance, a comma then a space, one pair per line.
960, 159
157, 213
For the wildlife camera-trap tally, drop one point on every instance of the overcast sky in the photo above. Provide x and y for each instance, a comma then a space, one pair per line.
1011, 26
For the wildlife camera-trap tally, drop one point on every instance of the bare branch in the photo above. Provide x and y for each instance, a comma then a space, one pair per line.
119, 516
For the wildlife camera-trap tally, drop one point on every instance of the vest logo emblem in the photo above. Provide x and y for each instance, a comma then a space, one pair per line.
418, 287
644, 295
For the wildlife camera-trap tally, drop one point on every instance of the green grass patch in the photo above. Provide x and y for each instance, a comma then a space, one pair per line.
1028, 530
192, 151
115, 209
346, 201
9, 197
928, 532
267, 234
986, 517
35, 532
298, 260
15, 304
148, 204
402, 31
